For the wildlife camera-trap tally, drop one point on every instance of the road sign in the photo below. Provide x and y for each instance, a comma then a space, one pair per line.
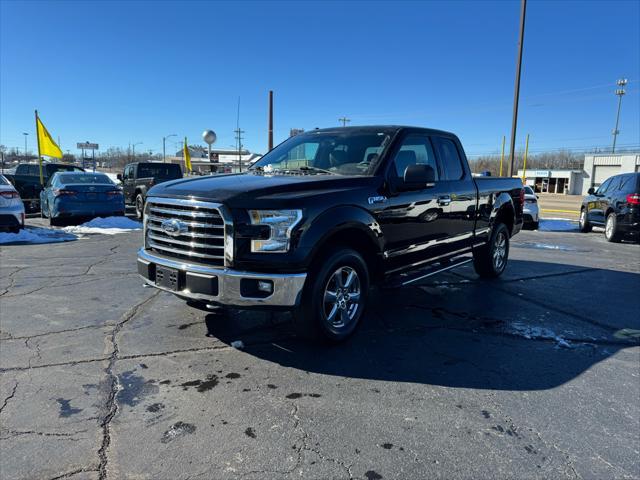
88, 146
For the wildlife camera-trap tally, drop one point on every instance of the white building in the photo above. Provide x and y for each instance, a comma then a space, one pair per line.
597, 168
222, 161
565, 181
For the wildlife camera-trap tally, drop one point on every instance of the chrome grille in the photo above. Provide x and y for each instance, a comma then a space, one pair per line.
203, 240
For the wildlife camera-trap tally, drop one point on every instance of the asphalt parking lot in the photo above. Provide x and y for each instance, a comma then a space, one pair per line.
535, 375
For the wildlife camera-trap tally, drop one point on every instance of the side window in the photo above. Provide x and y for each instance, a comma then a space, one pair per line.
34, 170
415, 149
22, 170
127, 172
603, 187
449, 158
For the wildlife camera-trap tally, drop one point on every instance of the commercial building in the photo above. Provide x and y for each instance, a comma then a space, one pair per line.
565, 181
597, 168
222, 161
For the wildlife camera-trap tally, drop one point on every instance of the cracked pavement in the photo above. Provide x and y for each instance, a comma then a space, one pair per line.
535, 375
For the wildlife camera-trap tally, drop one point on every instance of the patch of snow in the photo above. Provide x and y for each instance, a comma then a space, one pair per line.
106, 226
531, 333
239, 344
544, 246
557, 225
36, 235
113, 177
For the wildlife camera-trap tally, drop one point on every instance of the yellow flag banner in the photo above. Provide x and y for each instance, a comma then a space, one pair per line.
187, 156
46, 145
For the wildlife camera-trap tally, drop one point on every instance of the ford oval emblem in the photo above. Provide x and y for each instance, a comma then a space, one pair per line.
173, 227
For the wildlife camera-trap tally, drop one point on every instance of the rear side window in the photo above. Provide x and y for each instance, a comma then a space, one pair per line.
630, 183
449, 158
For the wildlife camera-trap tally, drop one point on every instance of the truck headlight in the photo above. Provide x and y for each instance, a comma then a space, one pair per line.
280, 223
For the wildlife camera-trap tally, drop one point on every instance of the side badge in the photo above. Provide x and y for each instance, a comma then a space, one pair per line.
378, 199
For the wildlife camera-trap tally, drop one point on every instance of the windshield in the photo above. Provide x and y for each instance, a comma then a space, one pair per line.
86, 178
528, 191
338, 153
159, 171
62, 168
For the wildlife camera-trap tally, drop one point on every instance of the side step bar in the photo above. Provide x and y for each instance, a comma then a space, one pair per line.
404, 279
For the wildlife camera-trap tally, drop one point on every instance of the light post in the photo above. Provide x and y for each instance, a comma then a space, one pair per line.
516, 90
133, 148
25, 145
619, 92
209, 136
164, 140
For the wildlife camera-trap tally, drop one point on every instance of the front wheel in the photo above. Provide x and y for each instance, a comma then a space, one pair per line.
490, 260
139, 206
334, 297
583, 223
611, 232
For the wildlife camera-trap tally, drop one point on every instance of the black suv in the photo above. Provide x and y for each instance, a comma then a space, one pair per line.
614, 205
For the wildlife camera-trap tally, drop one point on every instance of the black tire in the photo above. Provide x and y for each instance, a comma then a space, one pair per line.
54, 222
535, 225
611, 232
327, 310
486, 261
583, 223
139, 204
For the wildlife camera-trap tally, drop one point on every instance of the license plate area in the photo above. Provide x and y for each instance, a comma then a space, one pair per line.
92, 196
167, 277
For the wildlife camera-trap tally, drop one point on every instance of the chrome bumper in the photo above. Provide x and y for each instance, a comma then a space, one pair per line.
223, 285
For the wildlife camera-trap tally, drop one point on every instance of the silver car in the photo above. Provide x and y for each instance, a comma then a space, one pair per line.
11, 207
531, 211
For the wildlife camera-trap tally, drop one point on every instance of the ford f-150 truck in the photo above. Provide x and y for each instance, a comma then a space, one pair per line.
323, 216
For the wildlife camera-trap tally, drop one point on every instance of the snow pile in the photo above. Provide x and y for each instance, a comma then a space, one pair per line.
557, 225
36, 235
544, 246
531, 332
107, 226
113, 177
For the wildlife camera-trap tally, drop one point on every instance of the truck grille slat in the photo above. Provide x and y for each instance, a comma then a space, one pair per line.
157, 228
202, 239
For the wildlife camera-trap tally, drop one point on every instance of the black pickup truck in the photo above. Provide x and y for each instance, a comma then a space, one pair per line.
137, 178
26, 179
323, 216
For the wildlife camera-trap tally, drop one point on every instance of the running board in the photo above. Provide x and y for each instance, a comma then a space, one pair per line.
404, 279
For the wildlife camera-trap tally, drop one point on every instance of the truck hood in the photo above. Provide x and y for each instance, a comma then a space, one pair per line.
246, 190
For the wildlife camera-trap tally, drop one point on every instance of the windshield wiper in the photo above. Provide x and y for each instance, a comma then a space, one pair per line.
316, 169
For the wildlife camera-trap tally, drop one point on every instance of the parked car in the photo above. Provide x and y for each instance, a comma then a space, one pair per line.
80, 194
11, 207
139, 177
26, 179
324, 215
531, 211
615, 205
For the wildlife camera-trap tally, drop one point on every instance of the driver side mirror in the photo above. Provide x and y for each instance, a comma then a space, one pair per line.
418, 177
591, 191
119, 176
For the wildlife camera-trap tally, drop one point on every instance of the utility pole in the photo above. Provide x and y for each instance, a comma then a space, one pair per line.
239, 133
619, 92
25, 145
164, 142
516, 94
270, 120
344, 121
504, 139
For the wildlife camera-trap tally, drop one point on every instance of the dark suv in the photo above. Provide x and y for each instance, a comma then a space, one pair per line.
615, 205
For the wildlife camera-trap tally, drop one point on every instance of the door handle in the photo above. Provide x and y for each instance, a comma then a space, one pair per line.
444, 200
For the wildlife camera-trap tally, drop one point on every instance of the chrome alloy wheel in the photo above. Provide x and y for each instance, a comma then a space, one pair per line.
342, 298
583, 218
499, 251
608, 228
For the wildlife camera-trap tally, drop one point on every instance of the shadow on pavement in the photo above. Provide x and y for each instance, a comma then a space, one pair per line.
458, 331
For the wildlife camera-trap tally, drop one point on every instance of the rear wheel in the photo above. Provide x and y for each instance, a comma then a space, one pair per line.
334, 297
490, 260
584, 224
139, 206
611, 232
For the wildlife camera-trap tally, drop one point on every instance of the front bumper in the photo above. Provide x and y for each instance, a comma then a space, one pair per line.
223, 285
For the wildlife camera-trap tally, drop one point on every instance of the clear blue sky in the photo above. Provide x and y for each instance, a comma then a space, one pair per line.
120, 72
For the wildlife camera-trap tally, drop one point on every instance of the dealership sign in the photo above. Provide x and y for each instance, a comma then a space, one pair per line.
87, 146
539, 173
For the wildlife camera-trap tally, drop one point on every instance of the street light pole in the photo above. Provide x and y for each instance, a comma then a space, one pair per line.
133, 147
25, 144
164, 140
619, 92
516, 95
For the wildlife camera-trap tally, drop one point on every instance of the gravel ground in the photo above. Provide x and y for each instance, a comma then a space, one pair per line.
535, 375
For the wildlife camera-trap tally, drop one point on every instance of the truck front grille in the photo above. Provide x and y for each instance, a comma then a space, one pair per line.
201, 238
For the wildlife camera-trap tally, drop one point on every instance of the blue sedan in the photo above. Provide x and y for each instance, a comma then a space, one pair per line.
80, 195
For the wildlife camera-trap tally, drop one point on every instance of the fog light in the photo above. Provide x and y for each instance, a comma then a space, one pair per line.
265, 286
